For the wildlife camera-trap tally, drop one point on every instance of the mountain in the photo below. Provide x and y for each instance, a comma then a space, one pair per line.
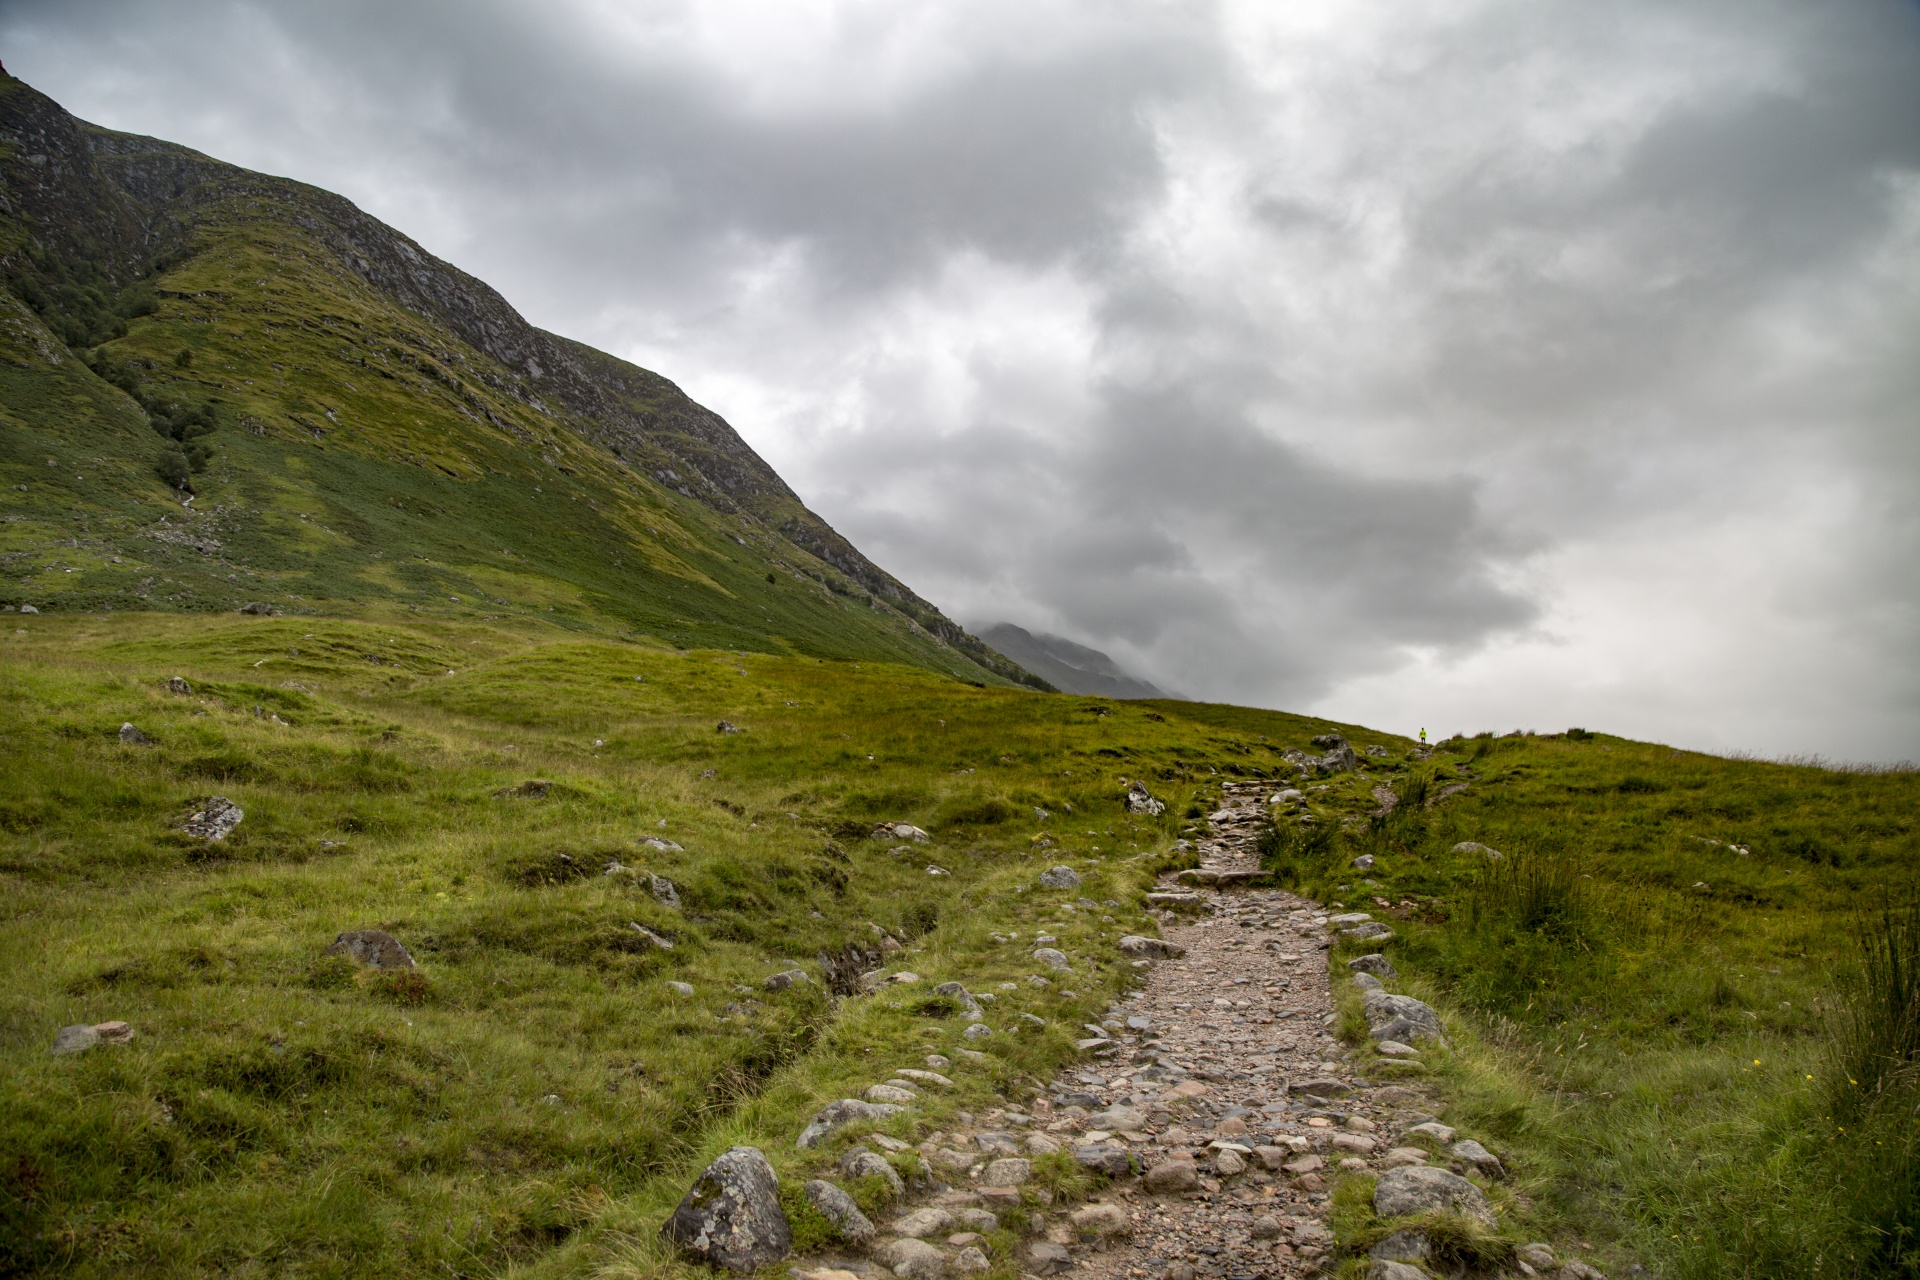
1070, 667
221, 389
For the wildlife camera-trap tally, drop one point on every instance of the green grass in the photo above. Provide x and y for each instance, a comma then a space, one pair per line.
1663, 988
537, 1098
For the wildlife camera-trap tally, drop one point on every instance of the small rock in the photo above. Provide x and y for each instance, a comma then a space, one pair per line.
970, 1261
1440, 1133
922, 1223
1418, 1189
664, 846
861, 1163
732, 1217
1402, 1246
954, 990
1109, 1158
1377, 965
1357, 1143
1474, 846
1177, 1175
179, 685
837, 1207
375, 948
902, 831
1118, 1120
1394, 1049
1320, 1088
1304, 1165
216, 821
1382, 1269
1060, 878
836, 1115
784, 979
1364, 862
653, 938
891, 1094
726, 726
1538, 1255
1009, 1171
1140, 800
1574, 1269
978, 1219
115, 1032
1039, 1144
905, 978
938, 1062
911, 1259
663, 889
680, 988
1052, 959
1402, 1018
132, 736
1267, 1227
978, 1031
1372, 931
1229, 1164
1479, 1157
1367, 982
1398, 1157
1348, 919
1045, 1258
75, 1039
1101, 1220
1150, 948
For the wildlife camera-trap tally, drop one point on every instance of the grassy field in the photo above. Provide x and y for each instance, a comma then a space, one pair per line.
538, 1097
1686, 988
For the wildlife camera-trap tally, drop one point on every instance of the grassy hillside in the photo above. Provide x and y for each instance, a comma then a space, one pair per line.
541, 1093
1691, 987
219, 388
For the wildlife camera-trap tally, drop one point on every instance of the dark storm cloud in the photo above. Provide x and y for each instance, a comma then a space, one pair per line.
1511, 360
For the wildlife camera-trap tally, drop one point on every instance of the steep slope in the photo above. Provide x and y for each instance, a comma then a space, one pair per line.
1070, 667
361, 424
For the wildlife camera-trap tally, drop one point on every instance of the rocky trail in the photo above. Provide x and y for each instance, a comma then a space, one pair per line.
1215, 1096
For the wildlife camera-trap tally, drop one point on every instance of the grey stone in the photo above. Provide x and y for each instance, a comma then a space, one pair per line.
1538, 1255
1140, 800
664, 846
1173, 1176
926, 1077
862, 1163
1402, 1018
1440, 1133
953, 989
216, 821
1047, 1259
1417, 1189
732, 1217
1402, 1246
890, 1094
1574, 1269
1109, 1158
970, 1261
836, 1115
726, 726
1371, 931
259, 609
1474, 846
978, 1219
1320, 1088
1365, 862
921, 1223
1479, 1157
1394, 1049
651, 937
1101, 1220
784, 979
1382, 1269
75, 1039
1267, 1227
1367, 982
911, 1259
1052, 959
664, 890
1008, 1171
978, 1031
1377, 965
179, 685
1118, 1120
998, 1143
132, 736
837, 1207
1150, 948
1060, 878
375, 948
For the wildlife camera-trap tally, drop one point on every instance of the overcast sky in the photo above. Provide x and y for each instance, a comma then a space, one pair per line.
1460, 365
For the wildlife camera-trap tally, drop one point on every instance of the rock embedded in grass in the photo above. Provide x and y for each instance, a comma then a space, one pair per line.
836, 1115
1474, 846
858, 1162
887, 1093
1377, 965
1142, 801
375, 948
837, 1207
911, 1259
216, 821
1479, 1157
132, 736
1060, 878
731, 1217
1402, 1018
1052, 958
784, 979
921, 1223
179, 685
1045, 1258
74, 1039
1418, 1189
1384, 1269
956, 991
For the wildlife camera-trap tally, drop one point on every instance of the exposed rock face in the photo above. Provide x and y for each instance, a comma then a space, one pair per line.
732, 1217
372, 947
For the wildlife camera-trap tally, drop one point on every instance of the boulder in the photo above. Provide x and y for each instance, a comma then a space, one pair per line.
837, 1207
1377, 965
216, 821
1109, 1158
1367, 982
1402, 1018
374, 948
911, 1259
1440, 1133
926, 1077
1418, 1189
1047, 1259
1140, 800
132, 736
179, 685
921, 1223
970, 1261
1052, 959
1060, 878
732, 1217
977, 1031
663, 889
835, 1115
1402, 1246
1538, 1255
1150, 948
890, 1094
1394, 1049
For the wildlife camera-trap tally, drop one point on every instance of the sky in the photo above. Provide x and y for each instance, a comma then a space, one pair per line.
1493, 364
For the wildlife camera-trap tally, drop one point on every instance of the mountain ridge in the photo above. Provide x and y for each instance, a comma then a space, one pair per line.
119, 244
1067, 665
